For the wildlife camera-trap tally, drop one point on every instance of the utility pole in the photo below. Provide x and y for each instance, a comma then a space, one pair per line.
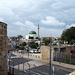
50, 61
59, 49
28, 48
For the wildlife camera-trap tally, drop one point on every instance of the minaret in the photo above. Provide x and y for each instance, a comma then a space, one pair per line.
38, 30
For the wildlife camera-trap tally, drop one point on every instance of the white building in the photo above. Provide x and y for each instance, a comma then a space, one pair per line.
31, 36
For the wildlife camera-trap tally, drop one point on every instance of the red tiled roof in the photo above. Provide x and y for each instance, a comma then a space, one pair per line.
47, 37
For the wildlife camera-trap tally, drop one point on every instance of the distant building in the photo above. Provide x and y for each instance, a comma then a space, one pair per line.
10, 44
31, 35
53, 38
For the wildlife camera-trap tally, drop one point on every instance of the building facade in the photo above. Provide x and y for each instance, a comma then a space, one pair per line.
3, 48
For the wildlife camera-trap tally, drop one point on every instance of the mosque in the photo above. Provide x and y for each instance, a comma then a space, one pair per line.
32, 35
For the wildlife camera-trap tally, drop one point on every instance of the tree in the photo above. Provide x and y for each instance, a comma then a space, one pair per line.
72, 42
19, 37
68, 35
13, 38
24, 44
21, 48
37, 38
46, 41
33, 45
17, 47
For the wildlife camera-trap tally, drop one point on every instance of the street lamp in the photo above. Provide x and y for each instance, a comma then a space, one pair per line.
59, 49
50, 61
28, 48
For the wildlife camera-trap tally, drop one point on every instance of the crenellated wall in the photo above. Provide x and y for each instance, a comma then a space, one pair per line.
3, 48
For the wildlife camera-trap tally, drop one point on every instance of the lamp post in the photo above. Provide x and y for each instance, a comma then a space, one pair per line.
28, 48
59, 49
50, 61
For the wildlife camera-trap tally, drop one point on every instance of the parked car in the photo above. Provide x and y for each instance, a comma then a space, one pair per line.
33, 50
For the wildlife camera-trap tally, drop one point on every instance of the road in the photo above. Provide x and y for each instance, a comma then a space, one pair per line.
25, 66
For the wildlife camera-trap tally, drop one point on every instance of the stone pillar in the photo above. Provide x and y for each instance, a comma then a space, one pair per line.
3, 48
45, 54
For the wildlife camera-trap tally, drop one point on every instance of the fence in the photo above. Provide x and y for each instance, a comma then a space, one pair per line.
18, 68
23, 66
64, 57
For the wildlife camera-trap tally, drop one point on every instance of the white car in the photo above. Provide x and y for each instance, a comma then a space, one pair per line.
33, 51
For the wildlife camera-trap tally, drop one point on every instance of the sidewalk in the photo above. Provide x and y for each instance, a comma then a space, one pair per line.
30, 56
64, 65
38, 57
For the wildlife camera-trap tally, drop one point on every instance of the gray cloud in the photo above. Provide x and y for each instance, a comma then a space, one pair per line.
22, 16
52, 21
72, 25
1, 19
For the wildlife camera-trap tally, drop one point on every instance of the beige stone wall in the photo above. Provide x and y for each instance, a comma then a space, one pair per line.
69, 48
45, 53
3, 48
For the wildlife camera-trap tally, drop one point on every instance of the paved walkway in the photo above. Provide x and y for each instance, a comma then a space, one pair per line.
30, 55
64, 65
38, 57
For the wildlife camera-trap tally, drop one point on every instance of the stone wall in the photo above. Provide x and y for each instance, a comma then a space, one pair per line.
66, 48
70, 48
45, 54
3, 48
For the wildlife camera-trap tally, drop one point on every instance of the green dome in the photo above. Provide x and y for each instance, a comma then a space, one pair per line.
32, 32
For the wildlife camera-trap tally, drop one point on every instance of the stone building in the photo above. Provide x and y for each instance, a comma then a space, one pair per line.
68, 49
45, 52
3, 48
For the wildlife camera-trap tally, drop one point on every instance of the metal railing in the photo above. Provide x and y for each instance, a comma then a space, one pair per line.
65, 57
21, 68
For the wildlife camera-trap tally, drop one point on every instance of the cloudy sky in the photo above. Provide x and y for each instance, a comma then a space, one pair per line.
23, 16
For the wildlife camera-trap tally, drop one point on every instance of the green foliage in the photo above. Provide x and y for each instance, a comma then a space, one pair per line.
68, 35
33, 45
21, 48
37, 44
72, 42
16, 38
19, 36
46, 41
23, 44
17, 47
37, 38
